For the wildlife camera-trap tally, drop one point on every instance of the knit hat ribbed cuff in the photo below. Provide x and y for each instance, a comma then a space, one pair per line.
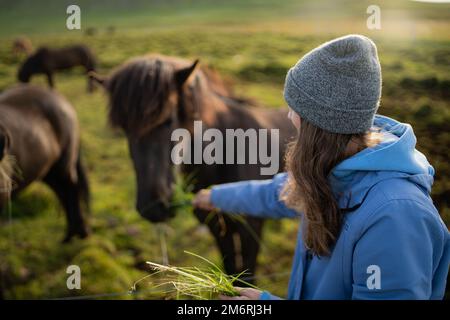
344, 121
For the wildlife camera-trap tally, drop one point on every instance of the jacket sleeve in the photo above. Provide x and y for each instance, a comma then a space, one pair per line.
394, 257
259, 198
265, 295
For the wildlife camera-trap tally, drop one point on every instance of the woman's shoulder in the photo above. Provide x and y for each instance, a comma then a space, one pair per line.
400, 201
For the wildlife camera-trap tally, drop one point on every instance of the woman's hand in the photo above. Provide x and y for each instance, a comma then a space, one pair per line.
245, 294
202, 200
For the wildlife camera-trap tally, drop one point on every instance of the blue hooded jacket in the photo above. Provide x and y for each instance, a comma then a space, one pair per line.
393, 243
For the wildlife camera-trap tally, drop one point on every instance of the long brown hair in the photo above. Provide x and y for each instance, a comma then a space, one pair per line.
310, 160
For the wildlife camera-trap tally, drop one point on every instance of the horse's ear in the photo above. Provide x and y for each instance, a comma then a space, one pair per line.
94, 76
182, 75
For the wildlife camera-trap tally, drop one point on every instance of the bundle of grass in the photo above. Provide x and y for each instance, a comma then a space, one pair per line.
194, 282
182, 193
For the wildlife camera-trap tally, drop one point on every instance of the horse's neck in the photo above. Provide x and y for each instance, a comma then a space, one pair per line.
214, 111
218, 109
226, 114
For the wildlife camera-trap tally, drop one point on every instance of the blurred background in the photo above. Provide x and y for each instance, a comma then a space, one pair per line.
252, 44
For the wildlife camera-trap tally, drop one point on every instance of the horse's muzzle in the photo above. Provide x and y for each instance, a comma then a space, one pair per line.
156, 211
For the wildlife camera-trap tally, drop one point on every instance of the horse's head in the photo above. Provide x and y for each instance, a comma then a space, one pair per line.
146, 100
24, 73
32, 65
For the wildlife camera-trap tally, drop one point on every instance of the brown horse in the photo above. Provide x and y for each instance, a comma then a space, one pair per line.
46, 61
149, 98
22, 46
39, 130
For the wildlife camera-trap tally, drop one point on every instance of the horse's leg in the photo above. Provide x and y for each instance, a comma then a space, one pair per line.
69, 195
91, 86
50, 79
91, 83
238, 244
250, 238
222, 229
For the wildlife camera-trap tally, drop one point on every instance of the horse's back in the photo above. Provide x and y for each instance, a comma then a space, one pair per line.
74, 55
43, 128
38, 102
259, 117
65, 57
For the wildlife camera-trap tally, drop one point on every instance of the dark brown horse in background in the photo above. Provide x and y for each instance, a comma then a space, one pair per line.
39, 130
47, 60
149, 98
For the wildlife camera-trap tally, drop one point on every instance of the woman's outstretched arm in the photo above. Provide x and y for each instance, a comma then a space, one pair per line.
259, 198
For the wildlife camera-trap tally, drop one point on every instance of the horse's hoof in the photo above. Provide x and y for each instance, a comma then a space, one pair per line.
83, 235
67, 239
84, 232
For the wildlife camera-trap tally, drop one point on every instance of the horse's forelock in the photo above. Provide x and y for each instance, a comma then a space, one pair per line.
139, 91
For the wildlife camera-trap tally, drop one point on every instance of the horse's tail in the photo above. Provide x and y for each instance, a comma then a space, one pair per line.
83, 184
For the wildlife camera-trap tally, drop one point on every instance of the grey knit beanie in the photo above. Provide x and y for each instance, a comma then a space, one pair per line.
337, 86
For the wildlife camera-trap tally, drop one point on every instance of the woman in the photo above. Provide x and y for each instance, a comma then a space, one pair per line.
369, 229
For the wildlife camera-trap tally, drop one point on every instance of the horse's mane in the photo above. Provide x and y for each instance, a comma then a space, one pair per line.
140, 91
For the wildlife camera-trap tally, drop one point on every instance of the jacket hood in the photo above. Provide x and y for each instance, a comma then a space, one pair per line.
394, 157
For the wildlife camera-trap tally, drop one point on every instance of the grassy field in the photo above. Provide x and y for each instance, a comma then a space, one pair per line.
251, 43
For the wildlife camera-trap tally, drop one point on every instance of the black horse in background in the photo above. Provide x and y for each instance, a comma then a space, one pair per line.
48, 60
149, 98
39, 132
